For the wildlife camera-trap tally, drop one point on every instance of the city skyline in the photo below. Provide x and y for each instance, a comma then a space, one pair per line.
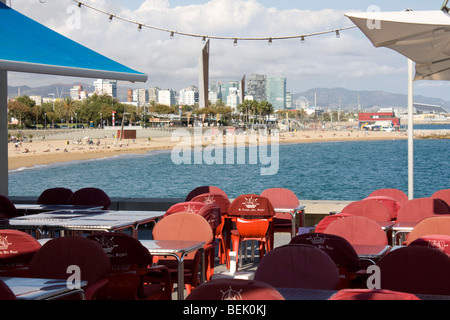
349, 61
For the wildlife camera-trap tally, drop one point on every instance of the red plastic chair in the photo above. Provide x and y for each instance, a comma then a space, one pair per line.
392, 204
55, 256
251, 229
57, 195
397, 194
371, 209
17, 248
325, 222
7, 208
186, 226
417, 209
298, 266
443, 194
372, 294
282, 197
204, 189
416, 270
131, 269
434, 225
339, 250
210, 211
90, 196
251, 208
358, 231
435, 241
223, 202
234, 289
6, 293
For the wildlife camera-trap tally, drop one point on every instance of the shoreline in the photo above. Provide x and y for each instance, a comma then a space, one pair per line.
42, 152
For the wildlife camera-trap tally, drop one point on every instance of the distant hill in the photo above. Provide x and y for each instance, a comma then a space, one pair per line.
348, 99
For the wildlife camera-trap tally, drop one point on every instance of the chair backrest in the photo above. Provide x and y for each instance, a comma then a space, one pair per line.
391, 192
216, 198
7, 208
124, 252
17, 248
443, 194
210, 211
371, 209
58, 195
280, 196
204, 189
5, 292
435, 241
337, 248
56, 255
372, 294
251, 205
234, 289
416, 270
417, 209
392, 204
252, 228
432, 225
298, 266
325, 222
358, 231
90, 196
183, 226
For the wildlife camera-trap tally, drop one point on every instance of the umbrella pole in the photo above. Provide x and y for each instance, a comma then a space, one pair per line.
4, 132
410, 130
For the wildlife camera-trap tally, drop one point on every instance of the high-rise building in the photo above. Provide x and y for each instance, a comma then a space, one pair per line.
106, 87
276, 92
227, 88
189, 96
256, 87
153, 94
167, 97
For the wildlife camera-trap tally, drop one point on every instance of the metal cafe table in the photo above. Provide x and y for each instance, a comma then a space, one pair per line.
33, 208
293, 211
42, 289
82, 220
178, 249
371, 252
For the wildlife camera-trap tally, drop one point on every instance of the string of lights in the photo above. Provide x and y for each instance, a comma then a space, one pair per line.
172, 33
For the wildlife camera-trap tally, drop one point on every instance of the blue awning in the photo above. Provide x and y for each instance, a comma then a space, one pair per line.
28, 46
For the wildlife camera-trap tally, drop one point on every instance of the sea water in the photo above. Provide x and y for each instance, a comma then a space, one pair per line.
347, 170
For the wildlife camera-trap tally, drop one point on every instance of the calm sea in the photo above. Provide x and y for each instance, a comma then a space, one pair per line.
314, 171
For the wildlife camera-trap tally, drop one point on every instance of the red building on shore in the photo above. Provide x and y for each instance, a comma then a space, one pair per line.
378, 121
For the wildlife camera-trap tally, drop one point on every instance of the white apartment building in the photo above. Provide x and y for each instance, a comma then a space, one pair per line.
189, 96
167, 97
106, 87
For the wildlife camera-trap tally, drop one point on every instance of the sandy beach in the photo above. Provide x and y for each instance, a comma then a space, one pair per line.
38, 152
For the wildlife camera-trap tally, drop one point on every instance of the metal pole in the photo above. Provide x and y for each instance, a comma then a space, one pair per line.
4, 133
410, 130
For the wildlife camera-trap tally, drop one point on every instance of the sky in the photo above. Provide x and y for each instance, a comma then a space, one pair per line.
324, 61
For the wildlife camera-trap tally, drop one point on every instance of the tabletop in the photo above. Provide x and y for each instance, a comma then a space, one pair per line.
371, 251
171, 246
40, 289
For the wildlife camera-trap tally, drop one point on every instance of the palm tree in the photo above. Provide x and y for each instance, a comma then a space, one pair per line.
68, 108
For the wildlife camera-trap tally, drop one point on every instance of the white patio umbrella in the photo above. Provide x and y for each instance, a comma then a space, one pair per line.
421, 36
28, 46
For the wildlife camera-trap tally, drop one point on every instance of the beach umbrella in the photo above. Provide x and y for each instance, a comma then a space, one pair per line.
30, 47
421, 36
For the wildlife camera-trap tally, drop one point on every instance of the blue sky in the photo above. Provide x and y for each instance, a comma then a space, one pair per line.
323, 61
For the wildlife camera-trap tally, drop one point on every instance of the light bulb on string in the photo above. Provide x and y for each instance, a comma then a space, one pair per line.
302, 39
269, 42
338, 35
235, 42
140, 27
171, 35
